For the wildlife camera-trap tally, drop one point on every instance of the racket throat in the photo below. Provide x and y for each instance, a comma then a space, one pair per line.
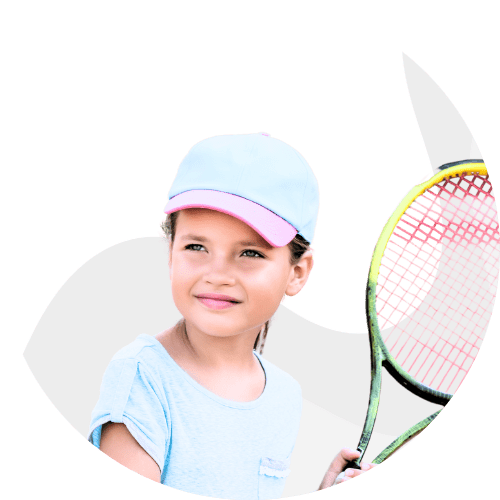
371, 414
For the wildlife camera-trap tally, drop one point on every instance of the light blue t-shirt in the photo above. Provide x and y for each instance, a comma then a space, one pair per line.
203, 443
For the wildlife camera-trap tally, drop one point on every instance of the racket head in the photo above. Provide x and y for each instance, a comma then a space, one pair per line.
433, 280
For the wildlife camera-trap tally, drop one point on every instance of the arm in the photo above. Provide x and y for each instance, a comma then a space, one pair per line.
333, 474
120, 445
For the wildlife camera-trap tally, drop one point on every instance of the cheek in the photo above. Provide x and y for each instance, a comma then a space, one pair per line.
181, 285
269, 287
181, 275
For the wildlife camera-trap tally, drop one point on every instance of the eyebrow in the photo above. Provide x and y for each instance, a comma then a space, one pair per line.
246, 243
194, 237
252, 243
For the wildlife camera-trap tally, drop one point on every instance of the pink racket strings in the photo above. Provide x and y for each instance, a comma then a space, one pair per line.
438, 279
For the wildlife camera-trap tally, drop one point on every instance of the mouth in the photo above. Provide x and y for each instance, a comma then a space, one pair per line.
217, 301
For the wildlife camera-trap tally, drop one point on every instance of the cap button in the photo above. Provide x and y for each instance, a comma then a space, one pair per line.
265, 133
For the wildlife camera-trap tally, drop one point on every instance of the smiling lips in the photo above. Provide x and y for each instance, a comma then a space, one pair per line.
217, 301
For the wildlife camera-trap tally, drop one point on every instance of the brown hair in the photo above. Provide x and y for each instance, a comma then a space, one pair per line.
298, 246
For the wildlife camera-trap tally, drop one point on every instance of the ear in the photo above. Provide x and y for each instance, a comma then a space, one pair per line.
300, 274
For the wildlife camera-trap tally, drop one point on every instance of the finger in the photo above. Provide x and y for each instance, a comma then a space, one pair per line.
342, 478
337, 466
367, 466
345, 456
350, 473
349, 454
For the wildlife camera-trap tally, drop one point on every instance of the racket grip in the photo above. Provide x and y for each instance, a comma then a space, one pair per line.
351, 465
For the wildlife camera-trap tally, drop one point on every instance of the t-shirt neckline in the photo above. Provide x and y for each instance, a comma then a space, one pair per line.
219, 399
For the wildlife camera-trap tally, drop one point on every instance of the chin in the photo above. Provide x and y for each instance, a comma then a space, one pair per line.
220, 327
217, 329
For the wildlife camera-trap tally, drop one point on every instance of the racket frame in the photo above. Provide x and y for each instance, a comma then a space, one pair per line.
380, 355
406, 436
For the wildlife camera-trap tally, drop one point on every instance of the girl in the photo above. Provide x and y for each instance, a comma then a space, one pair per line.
197, 407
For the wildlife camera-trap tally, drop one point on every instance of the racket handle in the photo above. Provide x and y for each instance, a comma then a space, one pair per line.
352, 465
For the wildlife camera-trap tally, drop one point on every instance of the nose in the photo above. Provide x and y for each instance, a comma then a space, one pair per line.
220, 273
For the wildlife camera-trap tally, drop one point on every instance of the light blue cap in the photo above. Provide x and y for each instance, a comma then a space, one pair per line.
254, 177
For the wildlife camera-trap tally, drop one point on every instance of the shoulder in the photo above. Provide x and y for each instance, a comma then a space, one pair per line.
141, 348
144, 350
140, 364
132, 393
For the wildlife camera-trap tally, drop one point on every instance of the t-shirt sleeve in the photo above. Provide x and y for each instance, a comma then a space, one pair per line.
129, 395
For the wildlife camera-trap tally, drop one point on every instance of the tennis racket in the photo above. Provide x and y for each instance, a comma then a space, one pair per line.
431, 289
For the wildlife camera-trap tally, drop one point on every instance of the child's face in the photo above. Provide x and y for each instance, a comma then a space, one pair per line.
215, 253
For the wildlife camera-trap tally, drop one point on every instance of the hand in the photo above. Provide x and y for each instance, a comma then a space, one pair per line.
334, 474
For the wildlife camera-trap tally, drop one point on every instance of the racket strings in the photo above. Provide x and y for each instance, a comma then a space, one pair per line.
438, 279
410, 261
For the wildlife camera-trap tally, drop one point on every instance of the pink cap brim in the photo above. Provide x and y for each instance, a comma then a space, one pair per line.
275, 230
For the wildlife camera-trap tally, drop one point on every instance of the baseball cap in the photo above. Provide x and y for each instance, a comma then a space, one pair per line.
260, 180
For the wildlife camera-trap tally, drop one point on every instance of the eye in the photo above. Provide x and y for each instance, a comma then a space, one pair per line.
252, 253
194, 247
